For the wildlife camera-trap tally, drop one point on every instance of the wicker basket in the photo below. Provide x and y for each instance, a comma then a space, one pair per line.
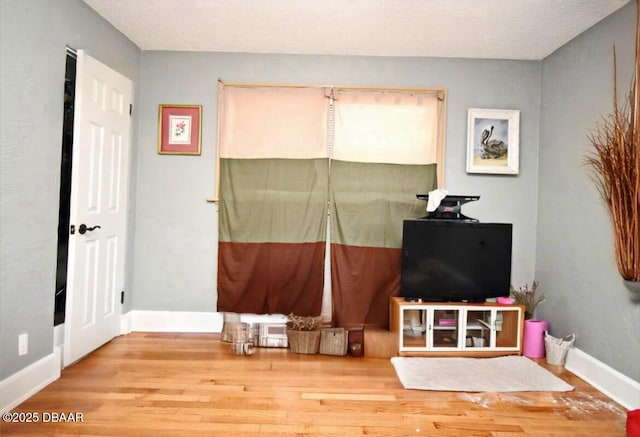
557, 348
230, 324
304, 342
333, 341
236, 332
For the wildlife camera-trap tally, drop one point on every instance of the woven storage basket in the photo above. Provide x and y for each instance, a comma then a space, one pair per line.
304, 342
230, 323
557, 348
333, 341
237, 332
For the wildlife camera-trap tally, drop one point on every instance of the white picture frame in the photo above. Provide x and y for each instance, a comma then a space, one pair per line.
493, 141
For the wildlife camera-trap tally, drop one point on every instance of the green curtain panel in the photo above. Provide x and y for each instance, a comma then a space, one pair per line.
369, 203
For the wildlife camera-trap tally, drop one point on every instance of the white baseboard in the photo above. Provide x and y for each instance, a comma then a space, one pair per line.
609, 381
25, 383
177, 321
58, 342
125, 323
173, 321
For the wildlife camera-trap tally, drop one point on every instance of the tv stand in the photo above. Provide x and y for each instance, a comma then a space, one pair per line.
450, 208
456, 328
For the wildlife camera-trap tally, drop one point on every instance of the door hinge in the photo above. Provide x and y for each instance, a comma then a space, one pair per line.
122, 297
72, 229
130, 108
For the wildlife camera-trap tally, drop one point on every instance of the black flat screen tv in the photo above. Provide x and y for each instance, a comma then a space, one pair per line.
455, 261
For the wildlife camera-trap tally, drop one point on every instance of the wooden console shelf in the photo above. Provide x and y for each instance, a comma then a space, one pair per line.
456, 328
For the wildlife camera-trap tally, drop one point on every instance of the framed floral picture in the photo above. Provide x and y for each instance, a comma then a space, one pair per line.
493, 141
179, 129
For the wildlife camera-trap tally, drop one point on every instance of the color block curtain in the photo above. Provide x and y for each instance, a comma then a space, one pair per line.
273, 193
384, 153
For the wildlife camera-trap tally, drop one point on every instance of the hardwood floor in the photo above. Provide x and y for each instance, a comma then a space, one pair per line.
145, 384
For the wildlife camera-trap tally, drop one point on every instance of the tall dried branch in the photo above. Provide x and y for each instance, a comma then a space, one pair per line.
615, 160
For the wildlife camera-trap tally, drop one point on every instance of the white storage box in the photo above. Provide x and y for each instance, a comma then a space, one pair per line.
273, 335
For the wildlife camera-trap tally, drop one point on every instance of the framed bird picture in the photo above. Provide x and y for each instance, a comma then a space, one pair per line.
493, 141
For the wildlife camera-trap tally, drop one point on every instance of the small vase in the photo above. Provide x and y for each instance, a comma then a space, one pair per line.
533, 338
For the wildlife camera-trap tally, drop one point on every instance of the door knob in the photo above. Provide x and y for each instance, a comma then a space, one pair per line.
83, 228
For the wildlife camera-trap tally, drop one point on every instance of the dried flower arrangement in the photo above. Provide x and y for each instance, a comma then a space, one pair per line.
616, 164
528, 298
304, 323
303, 334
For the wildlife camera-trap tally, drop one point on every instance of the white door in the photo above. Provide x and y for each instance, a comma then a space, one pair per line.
98, 215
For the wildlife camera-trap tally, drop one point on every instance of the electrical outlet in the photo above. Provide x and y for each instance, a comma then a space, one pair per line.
23, 344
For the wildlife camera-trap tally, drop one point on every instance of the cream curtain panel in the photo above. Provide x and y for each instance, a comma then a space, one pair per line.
395, 127
273, 122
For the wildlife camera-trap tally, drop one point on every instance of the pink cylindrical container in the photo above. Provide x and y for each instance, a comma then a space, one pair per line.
533, 343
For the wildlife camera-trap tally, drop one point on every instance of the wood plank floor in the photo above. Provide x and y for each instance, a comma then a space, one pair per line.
145, 384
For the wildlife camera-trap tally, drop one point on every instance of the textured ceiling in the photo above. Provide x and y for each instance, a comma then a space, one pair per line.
493, 29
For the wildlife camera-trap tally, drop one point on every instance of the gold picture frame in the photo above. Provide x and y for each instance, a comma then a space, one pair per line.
179, 129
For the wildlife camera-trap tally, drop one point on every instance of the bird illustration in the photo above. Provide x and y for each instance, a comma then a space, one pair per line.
491, 149
486, 134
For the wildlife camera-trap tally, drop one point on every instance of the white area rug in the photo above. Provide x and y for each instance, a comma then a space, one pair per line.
501, 374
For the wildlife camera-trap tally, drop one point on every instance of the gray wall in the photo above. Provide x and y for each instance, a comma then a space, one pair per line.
575, 259
176, 230
33, 38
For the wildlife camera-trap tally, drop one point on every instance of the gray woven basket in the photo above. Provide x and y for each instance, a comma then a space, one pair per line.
303, 342
333, 341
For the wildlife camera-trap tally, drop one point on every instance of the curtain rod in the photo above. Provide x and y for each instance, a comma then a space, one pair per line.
335, 87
